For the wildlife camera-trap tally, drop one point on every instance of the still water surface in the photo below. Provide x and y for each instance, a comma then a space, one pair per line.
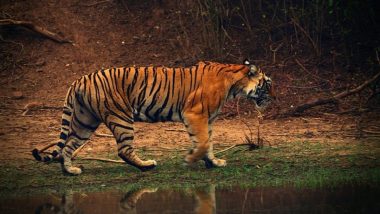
348, 199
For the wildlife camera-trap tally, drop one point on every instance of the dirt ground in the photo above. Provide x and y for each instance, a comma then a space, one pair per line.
20, 134
112, 33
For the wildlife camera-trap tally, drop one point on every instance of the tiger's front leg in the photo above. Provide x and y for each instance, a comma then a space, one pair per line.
198, 127
210, 160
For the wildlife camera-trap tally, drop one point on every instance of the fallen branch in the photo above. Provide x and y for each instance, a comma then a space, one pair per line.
95, 3
231, 147
103, 160
320, 101
78, 149
370, 131
103, 135
36, 106
37, 29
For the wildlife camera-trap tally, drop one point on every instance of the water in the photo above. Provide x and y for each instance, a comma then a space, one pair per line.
348, 199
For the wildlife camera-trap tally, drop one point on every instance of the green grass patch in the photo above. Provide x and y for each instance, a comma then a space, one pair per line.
300, 164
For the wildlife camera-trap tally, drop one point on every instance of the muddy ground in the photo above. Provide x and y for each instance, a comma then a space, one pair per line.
20, 134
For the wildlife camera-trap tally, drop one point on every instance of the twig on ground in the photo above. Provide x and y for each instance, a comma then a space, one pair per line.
231, 147
354, 110
103, 160
95, 3
175, 130
96, 133
79, 149
37, 29
370, 131
35, 106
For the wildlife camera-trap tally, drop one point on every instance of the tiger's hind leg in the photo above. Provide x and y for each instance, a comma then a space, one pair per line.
121, 125
83, 124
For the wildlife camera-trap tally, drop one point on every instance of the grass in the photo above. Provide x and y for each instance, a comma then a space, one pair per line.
300, 164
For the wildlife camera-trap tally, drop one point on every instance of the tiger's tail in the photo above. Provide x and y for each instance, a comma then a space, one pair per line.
41, 155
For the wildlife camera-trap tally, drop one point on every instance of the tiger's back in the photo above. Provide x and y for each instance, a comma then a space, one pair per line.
153, 93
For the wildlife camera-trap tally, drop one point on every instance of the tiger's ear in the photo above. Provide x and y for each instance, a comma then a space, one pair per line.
246, 62
253, 70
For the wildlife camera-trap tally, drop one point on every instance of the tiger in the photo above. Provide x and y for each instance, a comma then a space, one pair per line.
118, 97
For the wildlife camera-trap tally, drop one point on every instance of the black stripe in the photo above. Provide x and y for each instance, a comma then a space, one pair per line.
208, 110
154, 80
195, 94
124, 77
173, 88
97, 92
119, 125
63, 136
70, 147
158, 112
67, 112
123, 146
126, 138
143, 91
153, 103
132, 85
145, 79
65, 122
170, 114
55, 153
196, 74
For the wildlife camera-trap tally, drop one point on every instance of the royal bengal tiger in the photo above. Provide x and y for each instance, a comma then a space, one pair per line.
118, 97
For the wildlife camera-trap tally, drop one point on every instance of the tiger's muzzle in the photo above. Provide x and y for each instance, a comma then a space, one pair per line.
263, 95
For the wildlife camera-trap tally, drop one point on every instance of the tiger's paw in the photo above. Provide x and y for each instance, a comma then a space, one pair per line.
72, 170
148, 165
219, 162
211, 163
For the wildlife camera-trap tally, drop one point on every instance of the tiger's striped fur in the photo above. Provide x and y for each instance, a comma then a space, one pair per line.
120, 96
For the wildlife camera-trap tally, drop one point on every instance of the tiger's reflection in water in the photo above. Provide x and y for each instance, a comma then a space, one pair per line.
134, 201
205, 200
129, 201
67, 206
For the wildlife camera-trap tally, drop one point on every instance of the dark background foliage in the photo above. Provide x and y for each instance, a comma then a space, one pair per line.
311, 48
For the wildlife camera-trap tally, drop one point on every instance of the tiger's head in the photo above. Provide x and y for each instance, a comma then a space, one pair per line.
256, 86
